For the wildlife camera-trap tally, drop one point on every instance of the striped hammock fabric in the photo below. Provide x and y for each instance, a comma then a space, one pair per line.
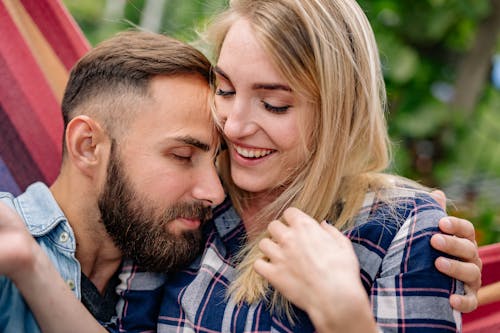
486, 318
39, 42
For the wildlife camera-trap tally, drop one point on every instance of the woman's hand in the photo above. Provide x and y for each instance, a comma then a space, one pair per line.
17, 246
24, 261
314, 266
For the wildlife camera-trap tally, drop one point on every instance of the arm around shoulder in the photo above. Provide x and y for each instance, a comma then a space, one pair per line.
409, 291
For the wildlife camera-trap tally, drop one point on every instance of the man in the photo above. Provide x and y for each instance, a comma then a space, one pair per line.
137, 177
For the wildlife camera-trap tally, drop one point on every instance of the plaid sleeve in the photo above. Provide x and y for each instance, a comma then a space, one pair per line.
141, 295
408, 293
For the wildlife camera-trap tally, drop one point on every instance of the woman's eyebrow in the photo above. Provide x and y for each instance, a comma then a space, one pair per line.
271, 86
256, 86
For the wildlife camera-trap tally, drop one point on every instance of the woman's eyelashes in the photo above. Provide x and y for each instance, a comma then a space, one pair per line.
275, 109
224, 93
268, 106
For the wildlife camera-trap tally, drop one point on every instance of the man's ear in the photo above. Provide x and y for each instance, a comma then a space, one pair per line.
86, 143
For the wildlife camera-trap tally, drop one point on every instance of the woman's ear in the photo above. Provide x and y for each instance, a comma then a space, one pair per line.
85, 142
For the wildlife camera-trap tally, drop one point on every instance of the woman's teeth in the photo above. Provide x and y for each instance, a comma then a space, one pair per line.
252, 153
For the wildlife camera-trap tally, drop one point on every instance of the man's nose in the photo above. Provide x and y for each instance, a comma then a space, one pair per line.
208, 188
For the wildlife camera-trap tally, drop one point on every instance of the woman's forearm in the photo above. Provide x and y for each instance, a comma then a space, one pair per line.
54, 306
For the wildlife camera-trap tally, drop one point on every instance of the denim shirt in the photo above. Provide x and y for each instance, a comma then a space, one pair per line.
48, 225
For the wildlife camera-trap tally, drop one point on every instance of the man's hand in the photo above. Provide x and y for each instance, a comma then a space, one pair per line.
458, 240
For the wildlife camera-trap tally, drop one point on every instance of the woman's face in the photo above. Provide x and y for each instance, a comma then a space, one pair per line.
259, 113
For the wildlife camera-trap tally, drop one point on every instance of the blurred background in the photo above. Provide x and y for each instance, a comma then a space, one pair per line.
441, 61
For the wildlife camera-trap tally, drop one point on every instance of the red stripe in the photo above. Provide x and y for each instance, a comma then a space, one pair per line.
24, 78
28, 100
59, 28
486, 318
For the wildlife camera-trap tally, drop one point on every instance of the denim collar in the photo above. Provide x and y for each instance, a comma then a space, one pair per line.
39, 209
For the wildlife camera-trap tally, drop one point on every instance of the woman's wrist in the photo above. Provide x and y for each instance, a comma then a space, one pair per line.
350, 312
24, 259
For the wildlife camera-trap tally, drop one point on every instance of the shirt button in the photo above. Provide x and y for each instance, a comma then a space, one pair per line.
63, 237
71, 284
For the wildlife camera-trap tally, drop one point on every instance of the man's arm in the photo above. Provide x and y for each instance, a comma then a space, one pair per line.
51, 301
319, 273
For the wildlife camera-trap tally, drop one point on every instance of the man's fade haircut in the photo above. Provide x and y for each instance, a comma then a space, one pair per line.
109, 80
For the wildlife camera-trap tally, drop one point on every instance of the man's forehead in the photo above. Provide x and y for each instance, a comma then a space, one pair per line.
183, 98
180, 108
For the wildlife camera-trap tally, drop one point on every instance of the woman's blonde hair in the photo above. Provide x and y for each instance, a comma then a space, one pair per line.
326, 51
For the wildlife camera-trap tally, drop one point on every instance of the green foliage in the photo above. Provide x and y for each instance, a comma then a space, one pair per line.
88, 15
182, 19
133, 10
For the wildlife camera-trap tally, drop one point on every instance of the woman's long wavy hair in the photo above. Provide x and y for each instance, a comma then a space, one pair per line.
326, 51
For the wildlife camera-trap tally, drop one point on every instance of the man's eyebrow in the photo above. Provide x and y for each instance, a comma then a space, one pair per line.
219, 71
194, 142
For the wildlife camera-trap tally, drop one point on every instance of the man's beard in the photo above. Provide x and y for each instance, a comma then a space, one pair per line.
140, 230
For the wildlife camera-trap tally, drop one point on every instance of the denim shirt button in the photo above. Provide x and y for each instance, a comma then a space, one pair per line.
71, 284
63, 238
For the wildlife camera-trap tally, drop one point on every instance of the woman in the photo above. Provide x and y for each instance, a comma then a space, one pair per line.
299, 98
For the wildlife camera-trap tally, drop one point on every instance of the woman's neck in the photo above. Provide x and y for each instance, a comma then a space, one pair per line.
251, 212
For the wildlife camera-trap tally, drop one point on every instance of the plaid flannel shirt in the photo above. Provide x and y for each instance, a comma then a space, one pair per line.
392, 242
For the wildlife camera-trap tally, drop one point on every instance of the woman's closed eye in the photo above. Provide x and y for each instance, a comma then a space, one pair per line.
275, 109
224, 93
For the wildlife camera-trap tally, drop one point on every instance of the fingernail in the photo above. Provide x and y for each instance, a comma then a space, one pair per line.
439, 239
446, 223
455, 301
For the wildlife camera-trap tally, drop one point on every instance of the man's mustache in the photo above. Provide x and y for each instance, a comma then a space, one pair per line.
194, 211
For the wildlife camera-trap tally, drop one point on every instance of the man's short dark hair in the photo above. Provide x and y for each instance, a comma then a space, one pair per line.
107, 81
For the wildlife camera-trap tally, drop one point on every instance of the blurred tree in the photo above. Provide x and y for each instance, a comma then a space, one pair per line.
436, 55
473, 71
151, 17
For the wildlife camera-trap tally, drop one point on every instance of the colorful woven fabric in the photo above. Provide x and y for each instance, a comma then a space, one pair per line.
39, 42
486, 318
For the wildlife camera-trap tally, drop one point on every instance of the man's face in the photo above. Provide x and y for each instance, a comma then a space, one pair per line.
161, 179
